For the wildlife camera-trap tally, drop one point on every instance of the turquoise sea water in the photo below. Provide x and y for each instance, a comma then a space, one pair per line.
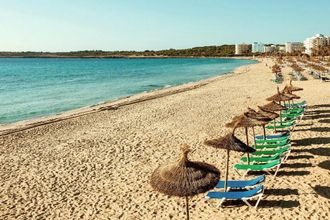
33, 87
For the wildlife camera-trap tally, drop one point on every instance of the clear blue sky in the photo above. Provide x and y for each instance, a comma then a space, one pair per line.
66, 25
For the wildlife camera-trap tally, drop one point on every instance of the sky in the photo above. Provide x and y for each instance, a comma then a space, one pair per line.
70, 25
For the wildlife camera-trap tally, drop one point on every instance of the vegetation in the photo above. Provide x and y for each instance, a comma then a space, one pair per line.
206, 51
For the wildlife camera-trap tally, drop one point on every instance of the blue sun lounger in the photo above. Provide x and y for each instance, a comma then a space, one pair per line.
237, 195
241, 184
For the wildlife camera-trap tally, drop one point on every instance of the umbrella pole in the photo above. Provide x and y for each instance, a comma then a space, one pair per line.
280, 116
227, 165
187, 207
247, 143
254, 136
264, 131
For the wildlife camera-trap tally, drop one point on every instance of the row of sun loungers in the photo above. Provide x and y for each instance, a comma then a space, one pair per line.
271, 151
298, 76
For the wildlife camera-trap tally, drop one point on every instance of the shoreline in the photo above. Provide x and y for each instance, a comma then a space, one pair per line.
129, 57
22, 125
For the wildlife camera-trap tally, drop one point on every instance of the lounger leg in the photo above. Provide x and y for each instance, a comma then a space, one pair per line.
287, 155
237, 172
246, 202
220, 203
258, 201
245, 173
278, 167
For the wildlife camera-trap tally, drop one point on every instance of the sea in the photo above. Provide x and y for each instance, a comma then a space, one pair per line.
34, 87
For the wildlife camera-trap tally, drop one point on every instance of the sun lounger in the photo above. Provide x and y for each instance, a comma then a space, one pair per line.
238, 195
272, 146
282, 126
274, 136
260, 159
302, 104
241, 184
275, 164
283, 150
272, 140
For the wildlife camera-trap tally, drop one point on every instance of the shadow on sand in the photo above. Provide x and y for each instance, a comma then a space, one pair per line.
296, 165
324, 121
298, 157
310, 141
319, 106
325, 164
281, 192
321, 151
316, 129
323, 191
319, 116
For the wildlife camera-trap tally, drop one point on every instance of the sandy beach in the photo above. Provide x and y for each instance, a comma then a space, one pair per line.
96, 163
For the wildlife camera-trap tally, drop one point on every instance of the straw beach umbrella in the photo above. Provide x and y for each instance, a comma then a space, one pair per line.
229, 142
243, 121
261, 117
273, 107
292, 88
269, 114
278, 97
246, 121
185, 178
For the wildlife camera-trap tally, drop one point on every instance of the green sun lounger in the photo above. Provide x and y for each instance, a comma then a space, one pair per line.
272, 140
298, 104
260, 159
282, 150
275, 164
274, 146
283, 126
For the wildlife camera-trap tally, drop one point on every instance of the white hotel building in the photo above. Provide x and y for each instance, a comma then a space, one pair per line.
316, 41
292, 47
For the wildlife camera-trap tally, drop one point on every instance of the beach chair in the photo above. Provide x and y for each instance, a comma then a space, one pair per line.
274, 136
241, 184
285, 150
302, 104
237, 195
274, 139
279, 141
272, 146
260, 159
289, 125
266, 167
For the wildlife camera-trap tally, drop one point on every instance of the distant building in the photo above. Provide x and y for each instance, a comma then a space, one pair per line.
281, 48
270, 48
292, 47
241, 49
314, 42
257, 47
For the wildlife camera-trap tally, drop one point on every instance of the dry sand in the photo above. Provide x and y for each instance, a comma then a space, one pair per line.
97, 166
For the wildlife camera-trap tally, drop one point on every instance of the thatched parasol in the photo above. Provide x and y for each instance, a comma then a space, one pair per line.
292, 88
261, 117
278, 97
185, 178
229, 142
269, 114
273, 107
243, 121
